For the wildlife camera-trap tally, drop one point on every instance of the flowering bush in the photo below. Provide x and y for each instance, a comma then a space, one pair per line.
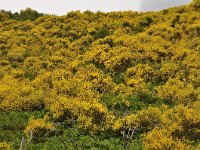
106, 73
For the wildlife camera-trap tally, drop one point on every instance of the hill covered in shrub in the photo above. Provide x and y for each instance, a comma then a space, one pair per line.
100, 80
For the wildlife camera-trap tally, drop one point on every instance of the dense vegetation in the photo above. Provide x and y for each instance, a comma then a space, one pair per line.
100, 80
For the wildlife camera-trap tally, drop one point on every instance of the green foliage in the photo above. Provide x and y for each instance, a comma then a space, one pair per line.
12, 125
146, 22
101, 33
27, 14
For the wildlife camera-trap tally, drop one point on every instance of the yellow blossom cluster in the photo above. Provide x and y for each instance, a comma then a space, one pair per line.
35, 126
4, 146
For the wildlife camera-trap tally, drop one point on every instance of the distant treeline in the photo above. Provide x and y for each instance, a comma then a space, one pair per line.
27, 14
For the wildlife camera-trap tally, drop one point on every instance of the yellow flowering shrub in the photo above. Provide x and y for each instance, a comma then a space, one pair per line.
90, 115
33, 65
144, 120
168, 70
101, 70
178, 126
182, 122
149, 119
38, 127
17, 54
43, 81
159, 139
144, 71
18, 95
164, 31
176, 91
4, 146
193, 30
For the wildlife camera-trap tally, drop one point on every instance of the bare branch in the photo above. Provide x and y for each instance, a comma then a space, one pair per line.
29, 140
21, 144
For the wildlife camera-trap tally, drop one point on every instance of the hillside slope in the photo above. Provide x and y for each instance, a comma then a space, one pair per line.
100, 80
